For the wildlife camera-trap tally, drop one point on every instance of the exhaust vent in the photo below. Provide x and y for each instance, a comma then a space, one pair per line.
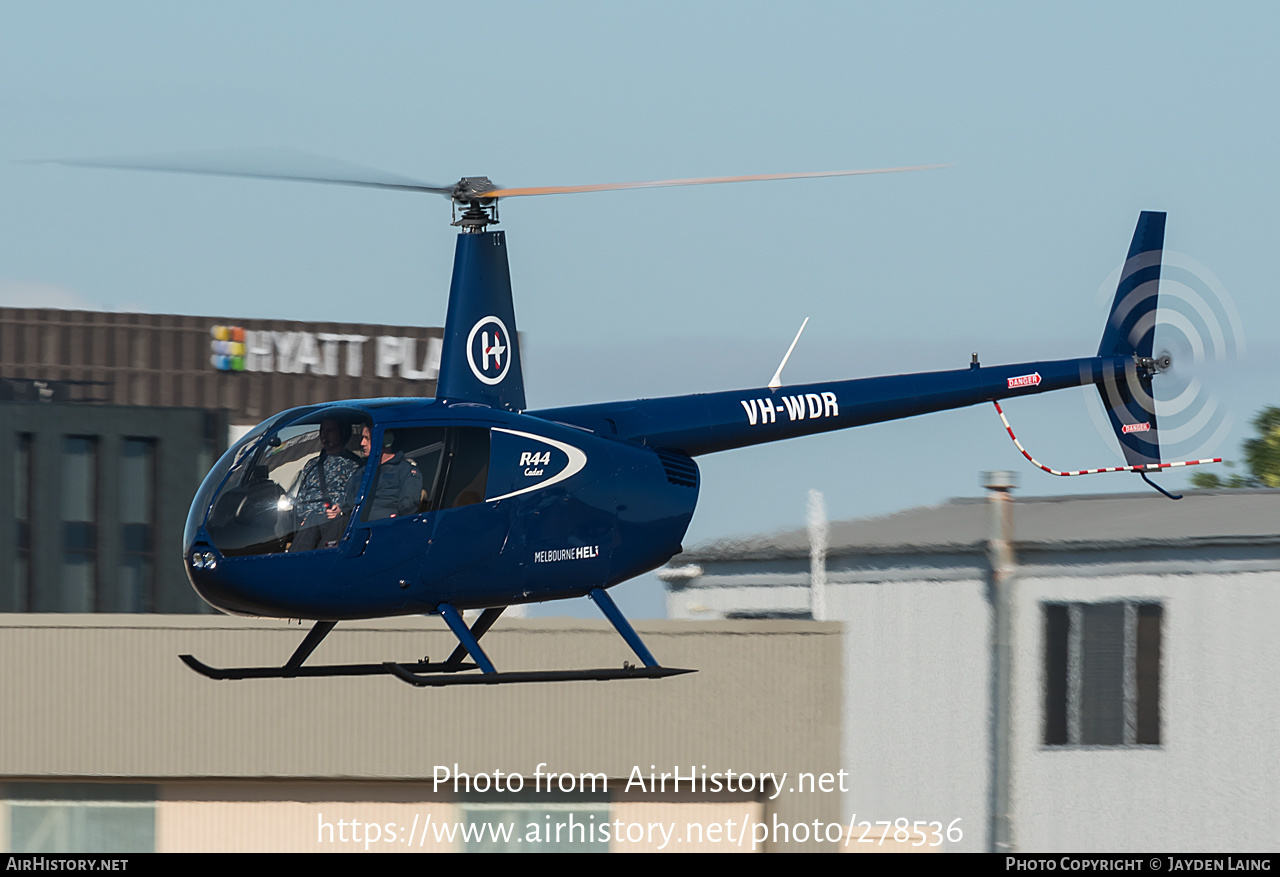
681, 470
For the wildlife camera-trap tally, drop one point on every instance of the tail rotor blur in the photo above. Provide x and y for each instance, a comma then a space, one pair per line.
1195, 332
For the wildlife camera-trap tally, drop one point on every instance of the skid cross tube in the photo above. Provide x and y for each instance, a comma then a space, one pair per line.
482, 625
469, 642
622, 626
308, 645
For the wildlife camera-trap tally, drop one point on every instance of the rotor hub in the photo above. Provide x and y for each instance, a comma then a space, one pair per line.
1154, 365
470, 189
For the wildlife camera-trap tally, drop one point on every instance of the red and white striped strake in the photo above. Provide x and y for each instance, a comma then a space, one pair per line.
1144, 467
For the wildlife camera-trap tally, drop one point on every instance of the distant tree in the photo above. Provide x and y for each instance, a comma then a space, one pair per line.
1261, 455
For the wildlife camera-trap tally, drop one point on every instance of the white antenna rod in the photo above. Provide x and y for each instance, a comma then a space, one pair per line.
776, 381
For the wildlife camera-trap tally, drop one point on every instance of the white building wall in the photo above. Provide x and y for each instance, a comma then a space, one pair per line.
916, 731
1211, 784
916, 736
915, 718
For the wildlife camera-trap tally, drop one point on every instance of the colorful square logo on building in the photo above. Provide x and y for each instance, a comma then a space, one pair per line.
227, 348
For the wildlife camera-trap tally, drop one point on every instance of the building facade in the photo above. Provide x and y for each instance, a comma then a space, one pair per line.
251, 368
98, 497
111, 744
111, 420
1136, 709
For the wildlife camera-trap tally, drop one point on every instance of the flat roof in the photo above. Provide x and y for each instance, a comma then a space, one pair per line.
1202, 517
102, 696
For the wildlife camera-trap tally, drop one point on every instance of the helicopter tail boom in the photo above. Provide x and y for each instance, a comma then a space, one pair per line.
707, 423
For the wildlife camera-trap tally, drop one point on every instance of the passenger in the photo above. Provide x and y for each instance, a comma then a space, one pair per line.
322, 505
353, 484
398, 488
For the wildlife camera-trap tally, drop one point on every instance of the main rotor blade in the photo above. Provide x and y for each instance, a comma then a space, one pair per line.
264, 164
700, 181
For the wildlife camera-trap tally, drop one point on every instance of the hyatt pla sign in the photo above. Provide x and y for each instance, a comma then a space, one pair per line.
234, 348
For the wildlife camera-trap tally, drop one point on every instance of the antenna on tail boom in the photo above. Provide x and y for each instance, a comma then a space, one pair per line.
776, 381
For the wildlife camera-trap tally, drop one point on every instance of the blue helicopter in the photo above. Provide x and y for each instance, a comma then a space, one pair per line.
469, 501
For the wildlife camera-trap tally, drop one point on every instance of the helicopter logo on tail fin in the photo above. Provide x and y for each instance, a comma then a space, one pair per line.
486, 352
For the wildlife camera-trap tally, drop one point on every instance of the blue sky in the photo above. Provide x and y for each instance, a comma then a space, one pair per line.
1060, 125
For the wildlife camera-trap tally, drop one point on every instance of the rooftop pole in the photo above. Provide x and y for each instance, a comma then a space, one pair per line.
1003, 569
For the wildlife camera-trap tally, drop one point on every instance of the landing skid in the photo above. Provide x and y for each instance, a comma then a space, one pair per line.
320, 670
403, 672
453, 671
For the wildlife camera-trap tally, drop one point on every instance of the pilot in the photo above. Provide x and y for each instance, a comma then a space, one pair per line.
398, 488
323, 501
353, 484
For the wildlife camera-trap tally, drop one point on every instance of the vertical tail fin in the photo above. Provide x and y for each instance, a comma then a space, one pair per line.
480, 359
1130, 332
1131, 327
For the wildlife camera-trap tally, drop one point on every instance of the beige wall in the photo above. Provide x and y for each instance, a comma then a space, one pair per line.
105, 697
409, 817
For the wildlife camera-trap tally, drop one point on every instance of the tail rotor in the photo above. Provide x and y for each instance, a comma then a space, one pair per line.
1194, 332
1159, 331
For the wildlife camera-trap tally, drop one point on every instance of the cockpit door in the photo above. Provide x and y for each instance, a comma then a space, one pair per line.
468, 531
423, 512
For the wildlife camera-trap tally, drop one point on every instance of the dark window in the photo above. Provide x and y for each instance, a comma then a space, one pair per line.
1147, 671
407, 479
1102, 673
1056, 629
137, 527
543, 826
78, 509
81, 818
451, 463
468, 467
18, 598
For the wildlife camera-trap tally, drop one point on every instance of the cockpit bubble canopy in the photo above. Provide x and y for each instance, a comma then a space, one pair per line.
281, 479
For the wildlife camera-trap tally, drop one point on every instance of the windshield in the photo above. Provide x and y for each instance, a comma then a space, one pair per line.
234, 456
290, 489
